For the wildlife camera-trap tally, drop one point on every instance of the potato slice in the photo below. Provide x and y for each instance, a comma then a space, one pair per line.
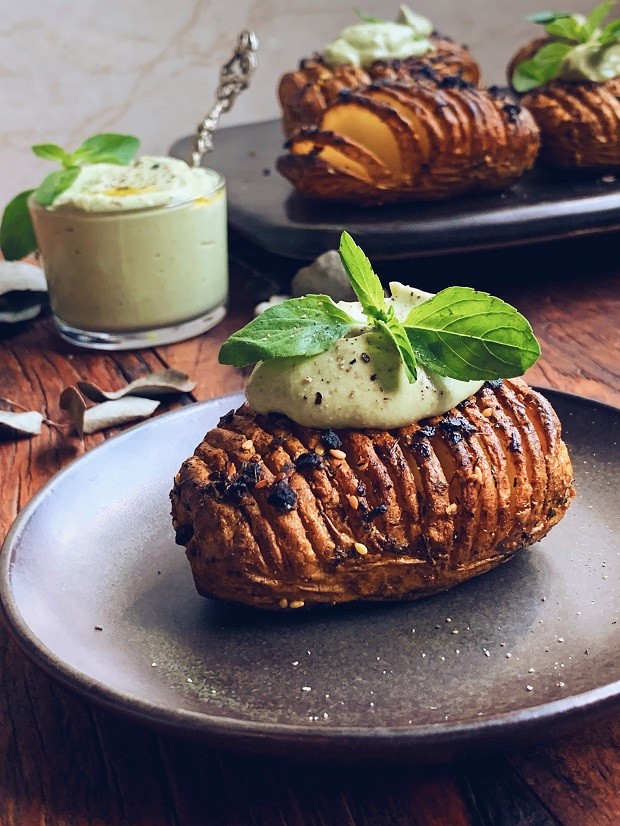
315, 178
380, 129
341, 153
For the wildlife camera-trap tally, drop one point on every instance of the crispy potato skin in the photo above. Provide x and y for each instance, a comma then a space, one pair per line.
450, 137
390, 515
305, 93
579, 122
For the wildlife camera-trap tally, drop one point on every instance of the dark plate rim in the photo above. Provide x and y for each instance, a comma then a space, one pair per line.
449, 738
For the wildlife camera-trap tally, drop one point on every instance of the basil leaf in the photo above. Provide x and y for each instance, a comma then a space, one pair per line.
541, 68
544, 17
367, 18
122, 148
471, 335
363, 278
55, 183
297, 327
610, 34
52, 152
568, 28
17, 238
596, 17
395, 332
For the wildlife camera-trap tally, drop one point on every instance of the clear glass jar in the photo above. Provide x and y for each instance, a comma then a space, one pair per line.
136, 278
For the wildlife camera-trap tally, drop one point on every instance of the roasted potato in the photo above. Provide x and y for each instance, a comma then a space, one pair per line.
272, 517
305, 94
437, 137
579, 122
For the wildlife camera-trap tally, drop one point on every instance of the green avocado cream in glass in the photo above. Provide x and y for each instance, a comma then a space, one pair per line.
136, 255
362, 44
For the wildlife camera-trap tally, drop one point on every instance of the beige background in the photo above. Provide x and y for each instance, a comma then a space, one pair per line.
70, 68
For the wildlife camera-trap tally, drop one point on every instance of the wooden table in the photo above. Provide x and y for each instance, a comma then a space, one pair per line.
65, 761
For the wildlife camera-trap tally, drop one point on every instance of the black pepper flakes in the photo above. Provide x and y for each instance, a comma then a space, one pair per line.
494, 384
282, 496
352, 361
373, 377
330, 440
365, 358
318, 398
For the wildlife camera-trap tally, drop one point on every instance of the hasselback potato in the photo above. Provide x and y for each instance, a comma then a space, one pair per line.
579, 122
273, 514
432, 138
305, 93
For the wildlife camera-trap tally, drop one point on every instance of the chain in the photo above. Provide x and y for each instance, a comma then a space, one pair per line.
235, 76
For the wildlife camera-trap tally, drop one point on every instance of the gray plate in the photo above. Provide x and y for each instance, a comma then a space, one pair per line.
264, 208
95, 548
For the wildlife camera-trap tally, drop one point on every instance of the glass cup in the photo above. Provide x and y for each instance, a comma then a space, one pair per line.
136, 278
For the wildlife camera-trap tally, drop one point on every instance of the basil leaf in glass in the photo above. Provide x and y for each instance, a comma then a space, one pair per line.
17, 238
55, 183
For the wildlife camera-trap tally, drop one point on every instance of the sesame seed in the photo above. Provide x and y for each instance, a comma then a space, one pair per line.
297, 603
487, 412
337, 454
530, 687
247, 445
353, 501
283, 603
361, 548
306, 688
189, 680
452, 508
319, 450
154, 665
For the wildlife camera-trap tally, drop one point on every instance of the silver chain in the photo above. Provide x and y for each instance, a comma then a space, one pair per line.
235, 76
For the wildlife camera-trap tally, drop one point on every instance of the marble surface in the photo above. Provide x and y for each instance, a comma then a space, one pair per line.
70, 68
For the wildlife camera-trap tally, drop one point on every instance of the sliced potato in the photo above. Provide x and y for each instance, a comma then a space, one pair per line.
381, 129
341, 152
315, 178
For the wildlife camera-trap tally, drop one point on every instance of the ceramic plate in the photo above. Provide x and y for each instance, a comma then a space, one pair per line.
265, 209
97, 593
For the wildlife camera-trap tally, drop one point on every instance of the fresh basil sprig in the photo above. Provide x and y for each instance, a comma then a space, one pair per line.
460, 332
17, 238
567, 31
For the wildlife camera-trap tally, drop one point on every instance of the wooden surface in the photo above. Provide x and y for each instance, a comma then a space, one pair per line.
64, 761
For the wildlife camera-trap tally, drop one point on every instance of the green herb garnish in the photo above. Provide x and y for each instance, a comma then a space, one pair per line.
567, 31
367, 18
17, 238
461, 332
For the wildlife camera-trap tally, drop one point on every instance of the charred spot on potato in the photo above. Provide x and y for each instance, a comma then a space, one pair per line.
282, 496
183, 534
308, 460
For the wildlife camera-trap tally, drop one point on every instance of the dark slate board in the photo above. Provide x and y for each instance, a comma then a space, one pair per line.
265, 209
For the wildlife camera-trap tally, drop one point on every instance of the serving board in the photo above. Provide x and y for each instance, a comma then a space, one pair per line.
264, 208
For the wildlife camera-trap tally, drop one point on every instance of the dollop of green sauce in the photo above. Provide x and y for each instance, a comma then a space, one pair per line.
590, 61
364, 43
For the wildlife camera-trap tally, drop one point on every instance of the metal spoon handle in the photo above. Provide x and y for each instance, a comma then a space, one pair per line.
235, 76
